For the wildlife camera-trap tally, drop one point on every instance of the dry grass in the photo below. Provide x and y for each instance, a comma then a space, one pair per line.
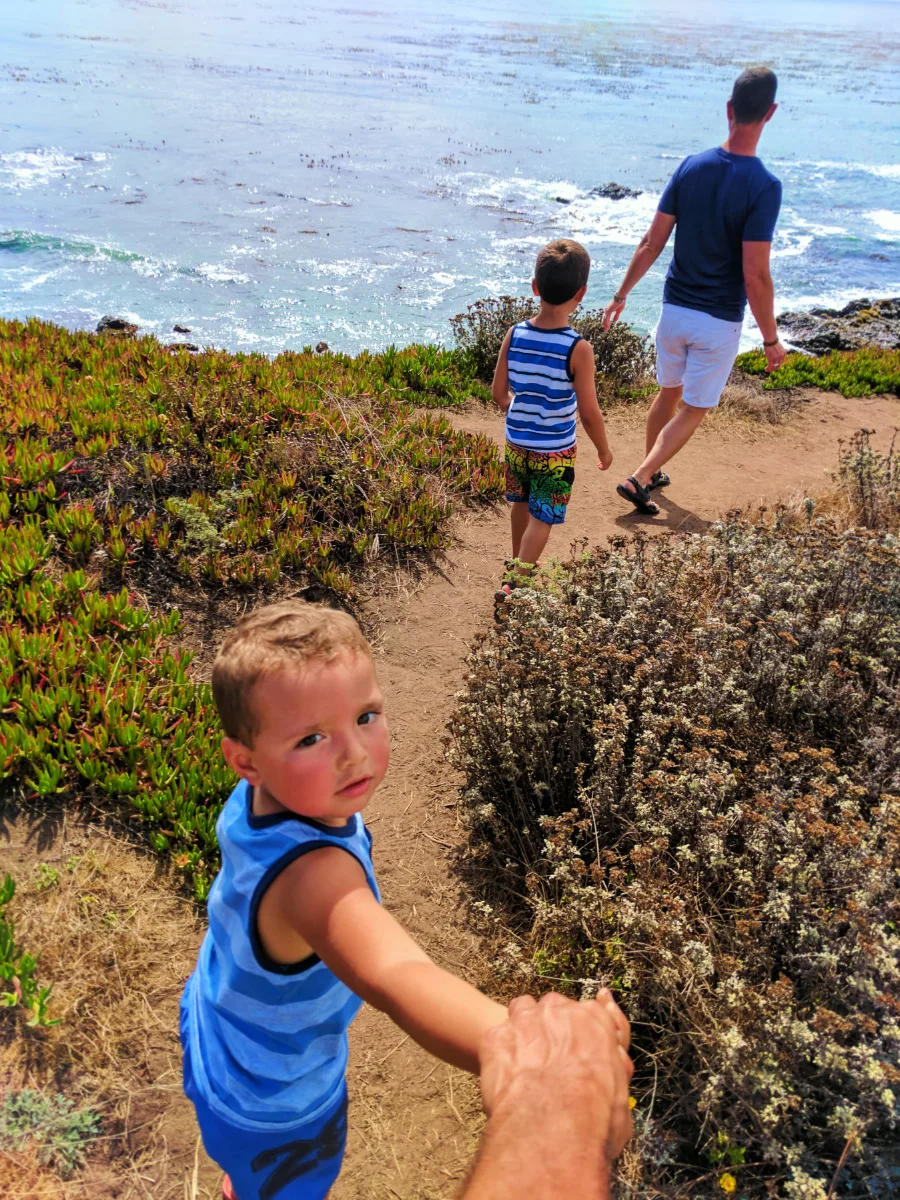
116, 940
745, 399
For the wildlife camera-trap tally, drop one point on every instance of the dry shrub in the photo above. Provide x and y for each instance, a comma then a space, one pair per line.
624, 359
745, 396
116, 941
870, 481
682, 775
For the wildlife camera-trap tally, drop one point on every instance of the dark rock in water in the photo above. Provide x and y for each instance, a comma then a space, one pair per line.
115, 325
322, 348
183, 346
180, 329
860, 323
562, 200
615, 191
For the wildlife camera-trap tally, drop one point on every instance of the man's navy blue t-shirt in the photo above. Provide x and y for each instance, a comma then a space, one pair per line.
719, 201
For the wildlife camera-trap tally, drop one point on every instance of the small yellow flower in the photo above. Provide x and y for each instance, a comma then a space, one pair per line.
727, 1182
632, 1103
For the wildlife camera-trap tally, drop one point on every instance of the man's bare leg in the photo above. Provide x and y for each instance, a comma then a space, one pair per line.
672, 438
519, 516
662, 410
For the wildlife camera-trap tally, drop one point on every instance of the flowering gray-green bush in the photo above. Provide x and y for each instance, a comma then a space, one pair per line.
624, 359
872, 481
682, 776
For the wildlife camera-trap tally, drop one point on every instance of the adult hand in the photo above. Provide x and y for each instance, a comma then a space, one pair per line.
574, 1052
612, 312
775, 356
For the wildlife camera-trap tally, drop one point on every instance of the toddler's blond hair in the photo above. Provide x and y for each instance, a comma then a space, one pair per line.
276, 637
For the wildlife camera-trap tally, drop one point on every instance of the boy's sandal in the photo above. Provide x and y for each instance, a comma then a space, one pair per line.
659, 479
503, 592
640, 497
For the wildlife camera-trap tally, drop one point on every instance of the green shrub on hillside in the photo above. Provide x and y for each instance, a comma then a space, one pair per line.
682, 774
129, 465
95, 706
158, 468
624, 359
850, 372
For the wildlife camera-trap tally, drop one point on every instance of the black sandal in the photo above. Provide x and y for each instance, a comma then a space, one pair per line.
659, 480
640, 497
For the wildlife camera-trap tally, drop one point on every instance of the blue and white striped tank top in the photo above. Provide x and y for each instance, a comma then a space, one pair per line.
542, 414
268, 1042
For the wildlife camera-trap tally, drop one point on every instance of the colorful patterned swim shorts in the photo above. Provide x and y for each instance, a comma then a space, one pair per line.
542, 479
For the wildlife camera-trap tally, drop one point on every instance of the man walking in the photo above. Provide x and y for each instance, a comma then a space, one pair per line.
723, 205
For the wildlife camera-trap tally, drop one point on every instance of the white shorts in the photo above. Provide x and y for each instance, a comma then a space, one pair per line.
696, 351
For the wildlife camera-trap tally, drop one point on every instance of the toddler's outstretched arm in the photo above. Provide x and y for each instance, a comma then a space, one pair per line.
325, 898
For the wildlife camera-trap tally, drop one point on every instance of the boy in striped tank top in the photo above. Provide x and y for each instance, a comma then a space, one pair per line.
545, 374
297, 938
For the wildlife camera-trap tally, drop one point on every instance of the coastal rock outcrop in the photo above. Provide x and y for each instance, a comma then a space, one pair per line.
116, 325
615, 191
860, 323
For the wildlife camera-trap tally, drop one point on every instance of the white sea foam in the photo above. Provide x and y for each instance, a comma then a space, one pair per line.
37, 280
788, 301
886, 220
219, 273
597, 220
788, 243
22, 169
882, 170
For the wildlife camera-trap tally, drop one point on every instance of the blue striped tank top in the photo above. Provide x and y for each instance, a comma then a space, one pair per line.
268, 1042
542, 414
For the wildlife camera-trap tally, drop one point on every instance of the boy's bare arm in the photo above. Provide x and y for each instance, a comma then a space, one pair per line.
500, 387
585, 377
325, 897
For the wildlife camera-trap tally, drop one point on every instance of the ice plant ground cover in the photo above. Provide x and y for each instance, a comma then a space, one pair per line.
131, 475
682, 778
851, 372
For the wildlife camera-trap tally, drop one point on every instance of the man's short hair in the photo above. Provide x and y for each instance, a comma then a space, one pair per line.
753, 94
561, 270
276, 637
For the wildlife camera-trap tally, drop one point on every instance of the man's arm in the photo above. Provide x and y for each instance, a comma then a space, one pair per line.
554, 1079
500, 387
585, 379
649, 249
761, 298
325, 897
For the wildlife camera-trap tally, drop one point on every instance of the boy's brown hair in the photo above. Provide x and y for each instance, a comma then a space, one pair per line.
276, 637
561, 270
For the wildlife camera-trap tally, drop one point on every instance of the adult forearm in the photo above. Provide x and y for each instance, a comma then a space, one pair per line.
445, 1015
544, 1144
761, 298
641, 261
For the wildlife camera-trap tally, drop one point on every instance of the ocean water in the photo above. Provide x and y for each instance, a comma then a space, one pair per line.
273, 174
